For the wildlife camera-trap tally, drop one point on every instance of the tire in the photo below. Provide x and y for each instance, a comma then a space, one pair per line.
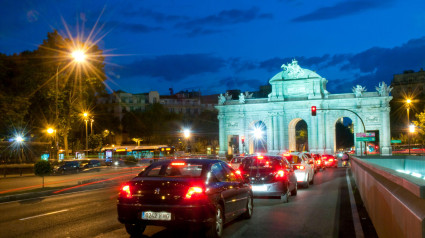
216, 229
295, 190
249, 208
284, 197
135, 229
307, 183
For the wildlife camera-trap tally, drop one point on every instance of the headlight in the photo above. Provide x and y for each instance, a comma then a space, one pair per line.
116, 163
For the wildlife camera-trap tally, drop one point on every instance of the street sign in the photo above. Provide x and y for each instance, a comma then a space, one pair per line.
365, 138
395, 141
367, 134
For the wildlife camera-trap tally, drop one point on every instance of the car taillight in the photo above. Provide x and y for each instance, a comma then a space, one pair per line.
280, 174
126, 191
238, 172
194, 192
300, 167
318, 161
330, 160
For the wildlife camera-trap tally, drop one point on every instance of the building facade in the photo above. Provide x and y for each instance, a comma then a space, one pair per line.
294, 91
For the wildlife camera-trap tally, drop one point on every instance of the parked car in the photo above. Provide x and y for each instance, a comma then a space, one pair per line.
303, 170
330, 161
269, 176
90, 165
67, 166
184, 192
236, 162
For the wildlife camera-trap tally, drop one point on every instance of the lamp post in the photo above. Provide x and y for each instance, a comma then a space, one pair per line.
86, 119
411, 130
19, 139
408, 101
52, 132
186, 134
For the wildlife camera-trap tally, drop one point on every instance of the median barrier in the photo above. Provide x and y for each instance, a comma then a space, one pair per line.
395, 200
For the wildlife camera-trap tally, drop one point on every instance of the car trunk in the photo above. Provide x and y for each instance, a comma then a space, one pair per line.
151, 190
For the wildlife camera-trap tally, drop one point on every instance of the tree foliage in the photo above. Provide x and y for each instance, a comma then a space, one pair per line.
42, 168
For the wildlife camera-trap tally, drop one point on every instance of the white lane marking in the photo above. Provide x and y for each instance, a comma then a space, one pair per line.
356, 220
45, 214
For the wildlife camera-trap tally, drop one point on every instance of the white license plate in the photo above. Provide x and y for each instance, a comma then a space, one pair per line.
259, 188
160, 216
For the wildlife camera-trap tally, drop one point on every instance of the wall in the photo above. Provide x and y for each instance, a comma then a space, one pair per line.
394, 203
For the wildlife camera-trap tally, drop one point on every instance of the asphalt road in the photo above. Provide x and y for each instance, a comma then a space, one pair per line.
323, 210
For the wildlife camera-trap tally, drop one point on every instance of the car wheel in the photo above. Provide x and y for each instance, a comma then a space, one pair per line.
307, 184
294, 191
135, 229
284, 197
216, 230
249, 208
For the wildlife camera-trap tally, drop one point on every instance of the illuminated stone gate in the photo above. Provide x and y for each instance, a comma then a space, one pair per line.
294, 91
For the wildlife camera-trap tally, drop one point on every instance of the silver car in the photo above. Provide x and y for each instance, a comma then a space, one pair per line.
303, 168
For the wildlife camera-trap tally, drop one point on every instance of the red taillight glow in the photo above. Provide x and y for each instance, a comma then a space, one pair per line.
280, 174
238, 172
193, 191
260, 157
318, 162
177, 163
300, 167
330, 160
126, 191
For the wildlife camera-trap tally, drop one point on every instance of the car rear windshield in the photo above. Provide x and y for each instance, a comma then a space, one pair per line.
293, 159
174, 169
265, 164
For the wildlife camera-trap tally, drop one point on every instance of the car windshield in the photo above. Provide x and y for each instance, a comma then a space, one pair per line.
174, 169
262, 165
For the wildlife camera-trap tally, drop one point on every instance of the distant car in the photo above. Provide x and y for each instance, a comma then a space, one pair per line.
236, 162
330, 161
303, 170
184, 192
310, 160
318, 162
269, 176
65, 167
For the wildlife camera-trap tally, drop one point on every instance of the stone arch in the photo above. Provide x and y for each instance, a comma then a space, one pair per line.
292, 133
333, 128
257, 144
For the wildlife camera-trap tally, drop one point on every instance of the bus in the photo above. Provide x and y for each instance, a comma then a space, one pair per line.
116, 154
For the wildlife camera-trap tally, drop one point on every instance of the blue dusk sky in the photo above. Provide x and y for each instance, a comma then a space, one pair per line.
216, 45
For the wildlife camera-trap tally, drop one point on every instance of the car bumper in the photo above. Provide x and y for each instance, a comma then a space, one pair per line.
180, 214
269, 189
301, 176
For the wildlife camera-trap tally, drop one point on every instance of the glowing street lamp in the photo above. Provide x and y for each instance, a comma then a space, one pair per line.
86, 119
19, 139
258, 133
79, 56
186, 133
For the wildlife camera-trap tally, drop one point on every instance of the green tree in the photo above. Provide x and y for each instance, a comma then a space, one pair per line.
420, 126
42, 168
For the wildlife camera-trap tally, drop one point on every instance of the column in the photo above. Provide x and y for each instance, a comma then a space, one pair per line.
321, 132
328, 130
282, 133
275, 133
242, 122
269, 125
313, 140
385, 137
222, 135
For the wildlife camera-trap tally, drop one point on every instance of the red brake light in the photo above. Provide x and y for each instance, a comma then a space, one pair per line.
260, 157
177, 163
126, 191
280, 174
193, 191
330, 160
300, 167
238, 172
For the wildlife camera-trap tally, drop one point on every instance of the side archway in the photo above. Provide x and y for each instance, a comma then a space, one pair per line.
298, 135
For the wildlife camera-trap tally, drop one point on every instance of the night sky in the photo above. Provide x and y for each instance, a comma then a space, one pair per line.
217, 45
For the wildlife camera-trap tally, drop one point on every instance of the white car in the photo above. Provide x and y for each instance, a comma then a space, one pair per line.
303, 168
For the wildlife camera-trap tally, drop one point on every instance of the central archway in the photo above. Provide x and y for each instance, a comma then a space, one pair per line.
298, 135
258, 138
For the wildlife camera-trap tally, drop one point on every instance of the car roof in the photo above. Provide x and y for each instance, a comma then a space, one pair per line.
189, 160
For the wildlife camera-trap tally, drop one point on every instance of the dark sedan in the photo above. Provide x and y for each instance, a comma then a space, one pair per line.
270, 176
184, 192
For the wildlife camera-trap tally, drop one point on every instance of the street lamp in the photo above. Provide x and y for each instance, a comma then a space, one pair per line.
186, 134
20, 139
411, 130
52, 132
86, 119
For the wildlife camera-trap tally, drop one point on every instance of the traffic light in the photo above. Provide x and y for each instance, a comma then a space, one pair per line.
313, 110
243, 139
